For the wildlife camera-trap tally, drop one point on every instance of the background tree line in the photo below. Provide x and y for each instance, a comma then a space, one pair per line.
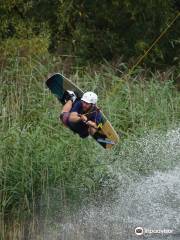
93, 30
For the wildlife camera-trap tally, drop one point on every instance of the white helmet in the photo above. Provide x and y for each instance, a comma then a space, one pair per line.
89, 97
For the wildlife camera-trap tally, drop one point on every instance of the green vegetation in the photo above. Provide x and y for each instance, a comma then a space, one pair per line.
109, 29
39, 156
97, 30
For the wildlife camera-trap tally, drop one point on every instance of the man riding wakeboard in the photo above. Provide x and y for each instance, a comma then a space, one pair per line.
81, 116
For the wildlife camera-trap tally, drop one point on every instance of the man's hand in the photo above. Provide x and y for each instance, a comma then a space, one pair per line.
83, 118
92, 124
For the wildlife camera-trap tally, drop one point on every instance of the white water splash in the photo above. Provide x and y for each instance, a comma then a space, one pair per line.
151, 202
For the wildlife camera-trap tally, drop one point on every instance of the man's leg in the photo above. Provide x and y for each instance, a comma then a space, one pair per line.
65, 112
67, 107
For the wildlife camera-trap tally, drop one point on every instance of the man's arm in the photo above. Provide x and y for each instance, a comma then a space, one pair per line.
92, 124
75, 117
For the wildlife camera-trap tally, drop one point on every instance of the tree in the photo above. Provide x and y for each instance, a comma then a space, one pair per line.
106, 29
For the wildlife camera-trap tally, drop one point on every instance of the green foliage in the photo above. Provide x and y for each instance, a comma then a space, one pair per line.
107, 29
13, 15
146, 105
96, 30
18, 19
